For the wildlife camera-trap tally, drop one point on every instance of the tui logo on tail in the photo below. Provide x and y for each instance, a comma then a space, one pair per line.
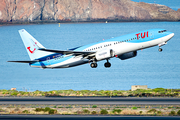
29, 48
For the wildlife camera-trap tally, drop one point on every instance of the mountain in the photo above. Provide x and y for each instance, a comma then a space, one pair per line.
21, 11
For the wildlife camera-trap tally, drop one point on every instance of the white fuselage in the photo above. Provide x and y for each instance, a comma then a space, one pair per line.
119, 46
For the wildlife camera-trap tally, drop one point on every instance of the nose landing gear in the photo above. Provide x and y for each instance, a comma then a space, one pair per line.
161, 44
160, 49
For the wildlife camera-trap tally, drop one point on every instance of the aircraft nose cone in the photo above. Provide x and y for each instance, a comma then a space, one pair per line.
171, 35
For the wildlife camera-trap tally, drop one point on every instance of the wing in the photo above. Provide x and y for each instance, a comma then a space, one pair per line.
32, 61
66, 52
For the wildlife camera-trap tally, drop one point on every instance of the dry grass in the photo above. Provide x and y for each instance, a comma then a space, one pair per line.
130, 112
162, 110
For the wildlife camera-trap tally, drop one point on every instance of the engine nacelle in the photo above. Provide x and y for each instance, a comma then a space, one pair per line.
105, 54
128, 55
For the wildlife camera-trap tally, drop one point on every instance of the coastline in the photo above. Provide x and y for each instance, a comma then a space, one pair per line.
157, 92
89, 21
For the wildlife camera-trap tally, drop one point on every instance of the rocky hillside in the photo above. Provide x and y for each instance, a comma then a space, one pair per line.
83, 10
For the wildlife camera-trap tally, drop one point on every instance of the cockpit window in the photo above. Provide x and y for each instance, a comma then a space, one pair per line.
162, 31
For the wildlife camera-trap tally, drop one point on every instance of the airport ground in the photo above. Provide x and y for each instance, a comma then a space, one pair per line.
90, 106
156, 103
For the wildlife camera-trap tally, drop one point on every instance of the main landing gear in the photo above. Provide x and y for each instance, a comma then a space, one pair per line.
107, 64
94, 64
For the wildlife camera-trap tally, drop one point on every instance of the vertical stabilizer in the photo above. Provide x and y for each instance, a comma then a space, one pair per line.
32, 45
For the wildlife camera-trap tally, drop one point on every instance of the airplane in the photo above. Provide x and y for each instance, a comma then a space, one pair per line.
123, 47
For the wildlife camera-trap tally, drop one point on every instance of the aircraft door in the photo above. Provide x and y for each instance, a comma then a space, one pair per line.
151, 35
48, 61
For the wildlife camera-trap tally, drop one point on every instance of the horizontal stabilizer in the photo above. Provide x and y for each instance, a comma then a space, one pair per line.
32, 61
66, 52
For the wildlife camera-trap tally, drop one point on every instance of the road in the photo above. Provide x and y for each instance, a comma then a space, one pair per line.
90, 100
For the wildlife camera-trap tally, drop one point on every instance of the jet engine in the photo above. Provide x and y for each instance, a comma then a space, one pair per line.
105, 54
128, 55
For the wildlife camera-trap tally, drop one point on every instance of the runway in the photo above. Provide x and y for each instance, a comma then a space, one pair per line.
90, 100
87, 100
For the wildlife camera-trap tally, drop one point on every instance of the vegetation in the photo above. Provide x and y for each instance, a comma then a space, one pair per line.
93, 112
104, 112
159, 112
46, 109
39, 109
152, 110
94, 106
116, 111
134, 108
1, 110
178, 113
157, 92
80, 109
52, 111
26, 111
86, 111
172, 113
69, 106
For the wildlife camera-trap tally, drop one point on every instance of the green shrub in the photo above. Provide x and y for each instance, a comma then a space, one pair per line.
172, 113
94, 106
46, 109
116, 111
159, 90
159, 112
69, 106
1, 110
94, 112
152, 110
25, 111
60, 107
178, 113
86, 111
104, 112
170, 107
39, 109
134, 108
14, 93
140, 112
5, 92
52, 111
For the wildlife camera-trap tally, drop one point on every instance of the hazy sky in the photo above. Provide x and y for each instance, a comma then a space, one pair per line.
174, 4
